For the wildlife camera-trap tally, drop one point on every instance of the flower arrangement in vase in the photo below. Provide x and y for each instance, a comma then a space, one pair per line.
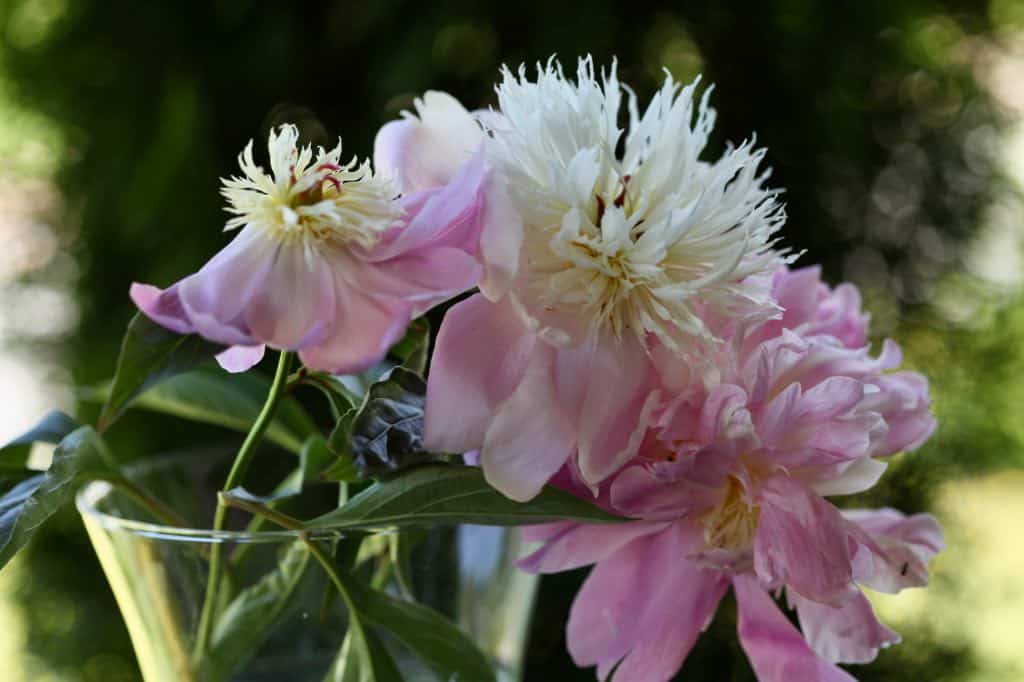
637, 376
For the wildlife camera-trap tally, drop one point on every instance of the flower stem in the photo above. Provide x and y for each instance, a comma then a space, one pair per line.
289, 523
238, 469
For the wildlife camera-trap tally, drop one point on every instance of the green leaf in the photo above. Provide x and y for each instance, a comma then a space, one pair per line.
252, 614
30, 503
363, 658
433, 638
313, 459
401, 544
150, 354
413, 350
387, 432
51, 429
444, 493
212, 396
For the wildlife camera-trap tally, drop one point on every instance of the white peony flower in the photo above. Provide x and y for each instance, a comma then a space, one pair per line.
630, 232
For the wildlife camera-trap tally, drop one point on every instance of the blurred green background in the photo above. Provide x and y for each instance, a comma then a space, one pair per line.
896, 127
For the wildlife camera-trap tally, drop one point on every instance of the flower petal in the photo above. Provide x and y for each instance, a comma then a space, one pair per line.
364, 329
216, 298
163, 307
240, 358
479, 358
802, 542
445, 216
530, 437
614, 380
891, 550
501, 237
902, 399
604, 618
646, 604
427, 152
682, 598
848, 634
584, 544
296, 305
851, 478
777, 651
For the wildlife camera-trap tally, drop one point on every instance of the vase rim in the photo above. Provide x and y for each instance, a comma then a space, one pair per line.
93, 492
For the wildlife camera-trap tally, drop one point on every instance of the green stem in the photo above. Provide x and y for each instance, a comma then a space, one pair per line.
235, 476
290, 523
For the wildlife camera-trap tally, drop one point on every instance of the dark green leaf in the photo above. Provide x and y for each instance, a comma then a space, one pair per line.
252, 614
402, 542
433, 638
313, 459
413, 349
387, 432
50, 429
150, 354
442, 493
363, 658
212, 396
30, 503
340, 396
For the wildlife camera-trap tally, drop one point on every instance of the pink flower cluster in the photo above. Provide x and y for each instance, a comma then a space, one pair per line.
638, 340
729, 487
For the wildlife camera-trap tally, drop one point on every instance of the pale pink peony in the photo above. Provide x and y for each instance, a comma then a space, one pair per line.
332, 260
626, 237
729, 488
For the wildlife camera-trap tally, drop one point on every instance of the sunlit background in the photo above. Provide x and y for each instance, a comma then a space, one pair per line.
896, 127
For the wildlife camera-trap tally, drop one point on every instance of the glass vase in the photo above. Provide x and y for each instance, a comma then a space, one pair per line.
277, 618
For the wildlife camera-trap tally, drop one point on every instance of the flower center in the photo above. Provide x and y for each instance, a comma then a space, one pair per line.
732, 524
307, 201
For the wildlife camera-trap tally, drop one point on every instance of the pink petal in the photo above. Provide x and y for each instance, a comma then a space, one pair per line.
848, 634
240, 358
646, 604
545, 531
501, 237
364, 329
902, 399
604, 618
892, 551
799, 292
446, 216
585, 544
801, 542
423, 278
850, 478
641, 491
296, 304
607, 384
216, 298
777, 651
530, 437
163, 307
427, 152
839, 315
681, 603
479, 358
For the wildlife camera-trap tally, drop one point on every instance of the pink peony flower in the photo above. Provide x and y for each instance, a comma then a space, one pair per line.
729, 490
616, 253
329, 261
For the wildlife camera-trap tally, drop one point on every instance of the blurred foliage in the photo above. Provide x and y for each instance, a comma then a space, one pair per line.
873, 113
